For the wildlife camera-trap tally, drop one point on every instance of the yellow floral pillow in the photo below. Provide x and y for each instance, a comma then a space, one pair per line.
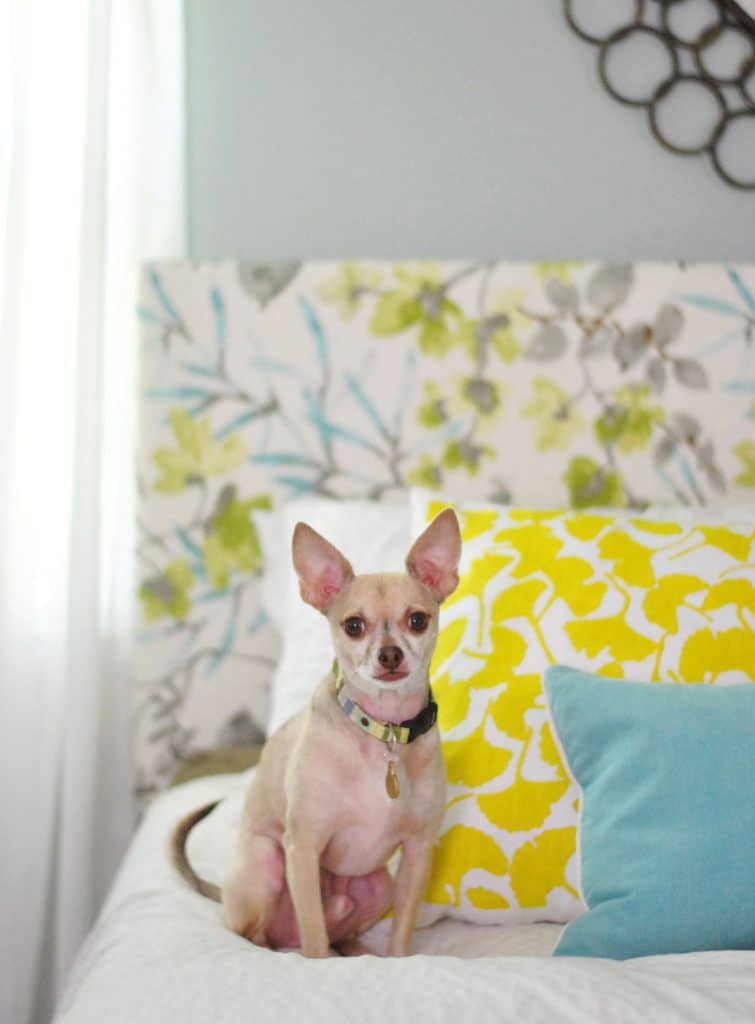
615, 594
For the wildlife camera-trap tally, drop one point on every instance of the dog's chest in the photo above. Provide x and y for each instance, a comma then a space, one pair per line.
372, 823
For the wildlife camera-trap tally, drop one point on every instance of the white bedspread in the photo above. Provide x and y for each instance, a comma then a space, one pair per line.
159, 953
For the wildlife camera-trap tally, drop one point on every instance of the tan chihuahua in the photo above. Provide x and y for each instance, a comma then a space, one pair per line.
354, 775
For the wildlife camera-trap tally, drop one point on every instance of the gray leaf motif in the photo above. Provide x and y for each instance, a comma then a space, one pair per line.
706, 458
501, 493
630, 347
547, 344
599, 341
690, 373
482, 394
564, 297
592, 488
431, 300
668, 325
240, 731
263, 281
664, 449
715, 477
686, 426
609, 286
656, 375
161, 588
490, 325
224, 499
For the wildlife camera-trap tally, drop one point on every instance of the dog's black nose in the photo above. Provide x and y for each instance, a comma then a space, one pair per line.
390, 657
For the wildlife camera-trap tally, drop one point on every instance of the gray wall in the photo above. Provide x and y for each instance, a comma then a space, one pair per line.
435, 128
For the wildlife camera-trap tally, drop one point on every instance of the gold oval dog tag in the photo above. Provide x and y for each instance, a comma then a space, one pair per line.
391, 782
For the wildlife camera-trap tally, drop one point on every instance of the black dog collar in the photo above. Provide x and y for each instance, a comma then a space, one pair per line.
387, 732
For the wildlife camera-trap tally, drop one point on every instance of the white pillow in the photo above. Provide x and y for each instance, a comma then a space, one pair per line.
374, 537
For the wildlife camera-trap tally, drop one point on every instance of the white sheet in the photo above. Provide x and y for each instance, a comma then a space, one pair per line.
159, 953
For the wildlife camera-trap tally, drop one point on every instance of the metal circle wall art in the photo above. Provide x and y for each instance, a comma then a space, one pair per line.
670, 58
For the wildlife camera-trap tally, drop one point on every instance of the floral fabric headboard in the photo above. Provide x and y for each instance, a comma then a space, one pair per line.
542, 384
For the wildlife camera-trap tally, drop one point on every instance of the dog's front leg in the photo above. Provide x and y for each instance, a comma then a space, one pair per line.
303, 873
411, 881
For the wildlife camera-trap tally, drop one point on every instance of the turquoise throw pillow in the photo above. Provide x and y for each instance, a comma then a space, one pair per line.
667, 822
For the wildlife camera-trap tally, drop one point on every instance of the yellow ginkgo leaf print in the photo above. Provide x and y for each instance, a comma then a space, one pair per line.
526, 515
632, 561
523, 806
476, 524
486, 899
473, 761
740, 593
733, 544
626, 597
539, 866
472, 524
664, 529
663, 602
482, 571
453, 703
535, 544
510, 708
549, 752
707, 655
459, 850
575, 584
611, 670
518, 601
587, 526
508, 648
495, 667
610, 635
448, 643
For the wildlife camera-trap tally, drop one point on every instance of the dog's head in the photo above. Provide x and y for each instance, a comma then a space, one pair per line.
384, 625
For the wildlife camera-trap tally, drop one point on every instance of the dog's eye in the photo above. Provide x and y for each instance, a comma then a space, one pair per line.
418, 622
354, 626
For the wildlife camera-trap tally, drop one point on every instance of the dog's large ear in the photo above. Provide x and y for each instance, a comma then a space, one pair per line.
322, 570
434, 558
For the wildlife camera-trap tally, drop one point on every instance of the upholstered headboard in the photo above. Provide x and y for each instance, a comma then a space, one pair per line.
536, 383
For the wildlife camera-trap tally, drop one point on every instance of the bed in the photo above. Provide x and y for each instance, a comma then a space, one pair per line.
160, 952
539, 386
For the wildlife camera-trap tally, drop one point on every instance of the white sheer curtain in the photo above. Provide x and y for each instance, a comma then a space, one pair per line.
91, 182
